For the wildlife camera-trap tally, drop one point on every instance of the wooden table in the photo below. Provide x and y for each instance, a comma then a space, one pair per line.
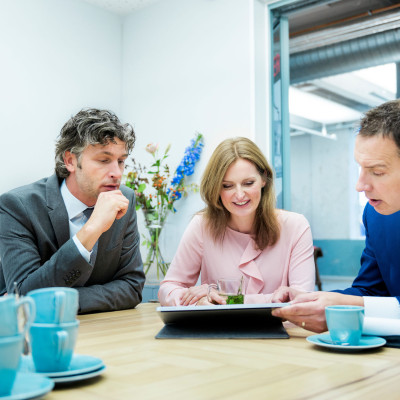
141, 367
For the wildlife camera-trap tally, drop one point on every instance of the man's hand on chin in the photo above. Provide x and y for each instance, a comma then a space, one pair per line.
110, 205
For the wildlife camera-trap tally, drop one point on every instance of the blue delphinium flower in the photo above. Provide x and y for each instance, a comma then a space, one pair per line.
186, 167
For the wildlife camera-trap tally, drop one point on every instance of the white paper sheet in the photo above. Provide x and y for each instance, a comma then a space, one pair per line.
381, 326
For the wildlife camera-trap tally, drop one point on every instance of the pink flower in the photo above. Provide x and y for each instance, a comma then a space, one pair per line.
152, 148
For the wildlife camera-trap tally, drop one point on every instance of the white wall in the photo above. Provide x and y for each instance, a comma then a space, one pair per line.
57, 56
190, 66
171, 69
186, 68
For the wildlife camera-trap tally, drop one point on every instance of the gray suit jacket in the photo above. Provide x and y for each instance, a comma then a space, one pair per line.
36, 250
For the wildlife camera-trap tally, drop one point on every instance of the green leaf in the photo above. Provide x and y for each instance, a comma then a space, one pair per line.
141, 187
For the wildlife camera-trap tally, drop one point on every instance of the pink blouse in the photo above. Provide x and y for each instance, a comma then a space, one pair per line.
289, 262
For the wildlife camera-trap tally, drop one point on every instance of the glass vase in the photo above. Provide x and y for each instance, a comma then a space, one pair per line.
154, 220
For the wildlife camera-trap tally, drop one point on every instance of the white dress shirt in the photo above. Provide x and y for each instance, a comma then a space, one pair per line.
382, 307
76, 218
382, 316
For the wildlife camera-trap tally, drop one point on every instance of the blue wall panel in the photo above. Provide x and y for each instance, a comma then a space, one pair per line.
340, 257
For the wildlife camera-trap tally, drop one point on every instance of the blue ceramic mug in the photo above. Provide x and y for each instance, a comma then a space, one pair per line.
17, 315
53, 345
10, 357
55, 305
345, 324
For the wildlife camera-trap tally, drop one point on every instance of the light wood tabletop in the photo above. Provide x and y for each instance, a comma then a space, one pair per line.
142, 367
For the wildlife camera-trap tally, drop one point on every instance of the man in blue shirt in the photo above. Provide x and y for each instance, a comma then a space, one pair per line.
377, 286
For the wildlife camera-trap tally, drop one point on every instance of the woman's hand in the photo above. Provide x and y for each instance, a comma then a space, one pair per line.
214, 297
285, 294
204, 302
199, 295
194, 294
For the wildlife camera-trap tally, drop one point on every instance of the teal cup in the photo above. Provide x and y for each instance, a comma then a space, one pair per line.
16, 315
55, 305
10, 357
53, 345
345, 324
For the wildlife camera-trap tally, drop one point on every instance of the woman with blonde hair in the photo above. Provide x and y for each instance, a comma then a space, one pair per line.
239, 234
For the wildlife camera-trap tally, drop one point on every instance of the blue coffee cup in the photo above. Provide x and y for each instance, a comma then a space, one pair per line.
53, 345
17, 315
55, 305
10, 357
345, 324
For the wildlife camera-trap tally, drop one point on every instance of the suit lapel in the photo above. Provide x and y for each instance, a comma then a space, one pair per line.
57, 212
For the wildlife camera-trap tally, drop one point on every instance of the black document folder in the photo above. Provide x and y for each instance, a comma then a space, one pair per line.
239, 321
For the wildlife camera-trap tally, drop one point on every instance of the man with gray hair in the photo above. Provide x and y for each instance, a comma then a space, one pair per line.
77, 228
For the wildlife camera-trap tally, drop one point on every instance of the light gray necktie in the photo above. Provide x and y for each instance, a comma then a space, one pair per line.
87, 213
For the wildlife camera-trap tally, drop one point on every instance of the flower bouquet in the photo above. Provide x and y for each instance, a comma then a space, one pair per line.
156, 195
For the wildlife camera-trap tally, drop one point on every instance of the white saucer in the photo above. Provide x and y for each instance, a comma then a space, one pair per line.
80, 364
29, 386
366, 342
79, 377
